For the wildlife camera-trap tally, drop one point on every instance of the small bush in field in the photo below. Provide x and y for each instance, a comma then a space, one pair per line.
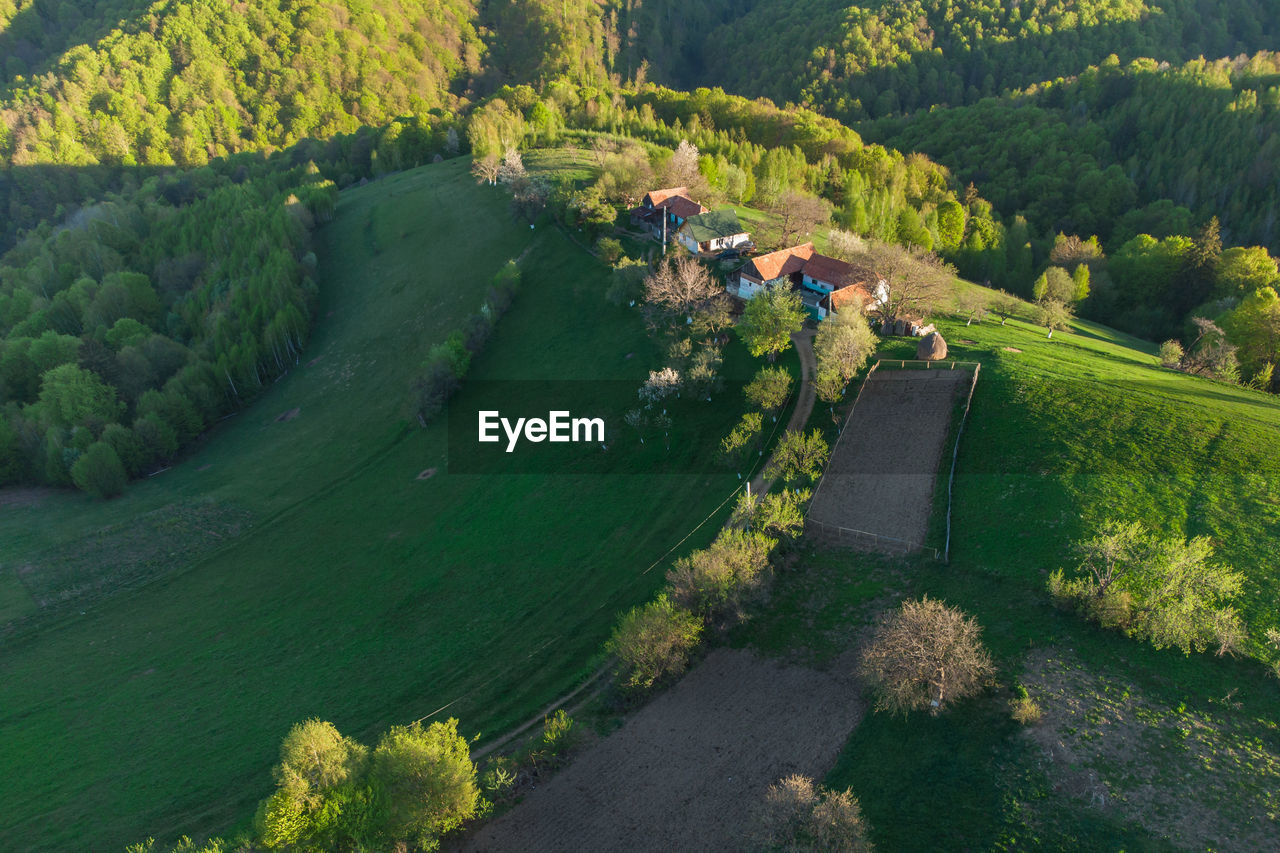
1024, 711
499, 778
558, 737
800, 816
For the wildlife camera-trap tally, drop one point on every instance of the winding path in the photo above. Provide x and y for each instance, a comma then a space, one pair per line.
803, 341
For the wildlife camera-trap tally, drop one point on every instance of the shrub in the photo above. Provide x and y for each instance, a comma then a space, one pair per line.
799, 816
498, 779
798, 458
744, 437
1023, 708
558, 737
925, 655
717, 582
1165, 590
609, 249
769, 390
99, 471
1171, 354
653, 643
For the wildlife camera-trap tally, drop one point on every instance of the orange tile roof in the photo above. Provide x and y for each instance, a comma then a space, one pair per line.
657, 197
683, 206
779, 263
854, 294
830, 270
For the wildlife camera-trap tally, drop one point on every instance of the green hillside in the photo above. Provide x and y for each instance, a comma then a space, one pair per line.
304, 568
1063, 434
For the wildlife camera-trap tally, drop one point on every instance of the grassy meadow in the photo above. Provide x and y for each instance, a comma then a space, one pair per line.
298, 563
1162, 750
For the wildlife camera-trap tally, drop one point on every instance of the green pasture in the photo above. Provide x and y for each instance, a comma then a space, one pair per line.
299, 563
1063, 433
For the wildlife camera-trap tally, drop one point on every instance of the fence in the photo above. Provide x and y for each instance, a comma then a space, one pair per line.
923, 364
955, 452
832, 455
874, 541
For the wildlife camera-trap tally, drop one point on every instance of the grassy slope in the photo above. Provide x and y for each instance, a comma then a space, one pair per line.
1062, 435
358, 593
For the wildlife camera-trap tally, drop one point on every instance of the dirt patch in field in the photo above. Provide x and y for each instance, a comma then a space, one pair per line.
1200, 781
1012, 349
125, 555
284, 417
426, 474
883, 469
689, 770
25, 496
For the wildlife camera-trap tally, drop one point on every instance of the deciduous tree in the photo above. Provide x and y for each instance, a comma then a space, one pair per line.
925, 655
769, 320
844, 342
1166, 590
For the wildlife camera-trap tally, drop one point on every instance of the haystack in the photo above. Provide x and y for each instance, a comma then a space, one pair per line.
932, 347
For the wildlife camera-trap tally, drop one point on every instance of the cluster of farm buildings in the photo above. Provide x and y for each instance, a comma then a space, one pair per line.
825, 284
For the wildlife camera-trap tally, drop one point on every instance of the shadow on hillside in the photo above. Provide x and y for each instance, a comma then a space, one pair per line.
30, 195
959, 76
37, 36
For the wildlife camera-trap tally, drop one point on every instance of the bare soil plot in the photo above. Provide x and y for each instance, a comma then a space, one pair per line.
883, 469
688, 771
1197, 781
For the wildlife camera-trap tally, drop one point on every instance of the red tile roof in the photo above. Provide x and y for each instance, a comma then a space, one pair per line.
854, 294
683, 207
779, 263
657, 197
830, 270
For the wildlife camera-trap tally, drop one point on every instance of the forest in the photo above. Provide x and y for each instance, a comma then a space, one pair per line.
164, 164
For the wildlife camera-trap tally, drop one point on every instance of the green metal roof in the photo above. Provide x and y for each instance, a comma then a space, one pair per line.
716, 223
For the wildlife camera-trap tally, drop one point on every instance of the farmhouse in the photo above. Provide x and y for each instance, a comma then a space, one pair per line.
825, 284
711, 232
672, 205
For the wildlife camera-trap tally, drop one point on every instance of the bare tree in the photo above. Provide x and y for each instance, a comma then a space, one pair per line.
1209, 354
486, 169
913, 280
601, 148
924, 655
800, 213
681, 287
1006, 305
714, 316
512, 169
972, 305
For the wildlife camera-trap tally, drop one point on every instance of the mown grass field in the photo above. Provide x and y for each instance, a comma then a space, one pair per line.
305, 569
1170, 750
